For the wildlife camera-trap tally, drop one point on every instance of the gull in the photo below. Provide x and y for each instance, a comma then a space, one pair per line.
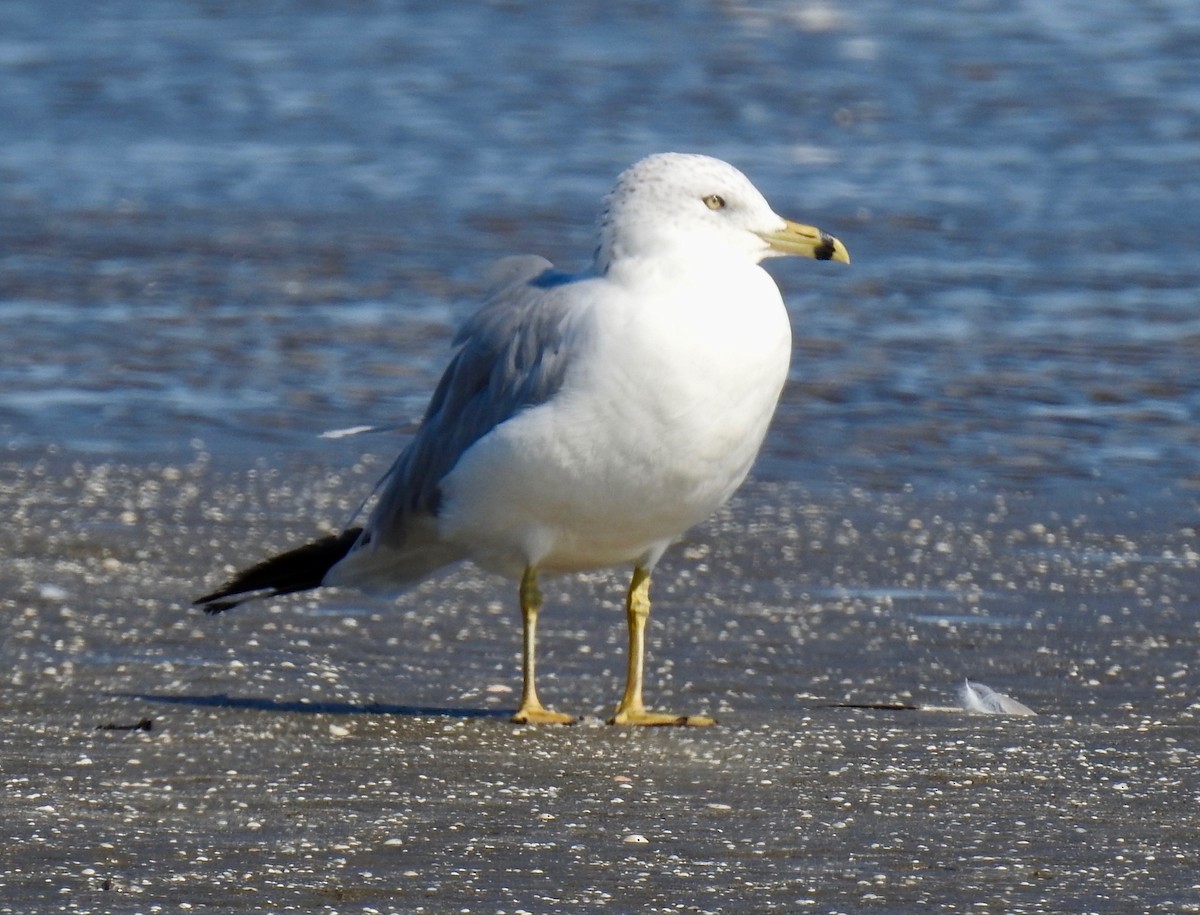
586, 420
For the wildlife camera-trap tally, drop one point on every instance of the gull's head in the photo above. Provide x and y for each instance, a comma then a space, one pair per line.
678, 205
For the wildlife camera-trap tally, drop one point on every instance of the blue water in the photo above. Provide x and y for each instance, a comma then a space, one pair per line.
233, 226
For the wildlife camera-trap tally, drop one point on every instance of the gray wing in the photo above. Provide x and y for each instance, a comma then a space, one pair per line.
511, 354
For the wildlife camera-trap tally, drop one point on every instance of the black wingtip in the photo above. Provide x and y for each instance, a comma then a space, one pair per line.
212, 606
301, 569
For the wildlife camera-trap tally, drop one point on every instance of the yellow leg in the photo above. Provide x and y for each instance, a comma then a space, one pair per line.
632, 710
532, 711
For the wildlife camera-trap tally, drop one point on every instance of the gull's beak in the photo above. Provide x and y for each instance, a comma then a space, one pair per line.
807, 241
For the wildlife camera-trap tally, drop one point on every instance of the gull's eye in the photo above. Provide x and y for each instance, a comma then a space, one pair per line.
714, 202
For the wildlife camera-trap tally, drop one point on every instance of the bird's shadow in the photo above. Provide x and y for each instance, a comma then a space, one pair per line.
223, 700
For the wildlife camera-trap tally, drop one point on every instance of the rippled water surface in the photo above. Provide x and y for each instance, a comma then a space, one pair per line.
226, 228
218, 220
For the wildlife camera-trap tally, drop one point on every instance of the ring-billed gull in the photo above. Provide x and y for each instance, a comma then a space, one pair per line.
587, 420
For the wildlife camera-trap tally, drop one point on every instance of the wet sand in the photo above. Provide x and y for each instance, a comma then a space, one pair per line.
354, 754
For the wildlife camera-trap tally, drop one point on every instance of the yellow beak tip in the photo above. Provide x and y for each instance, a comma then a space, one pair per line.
836, 250
807, 241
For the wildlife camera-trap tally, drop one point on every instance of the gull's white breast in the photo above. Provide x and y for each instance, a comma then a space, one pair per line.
672, 384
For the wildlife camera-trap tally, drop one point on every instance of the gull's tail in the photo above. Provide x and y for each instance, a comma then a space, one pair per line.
300, 569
